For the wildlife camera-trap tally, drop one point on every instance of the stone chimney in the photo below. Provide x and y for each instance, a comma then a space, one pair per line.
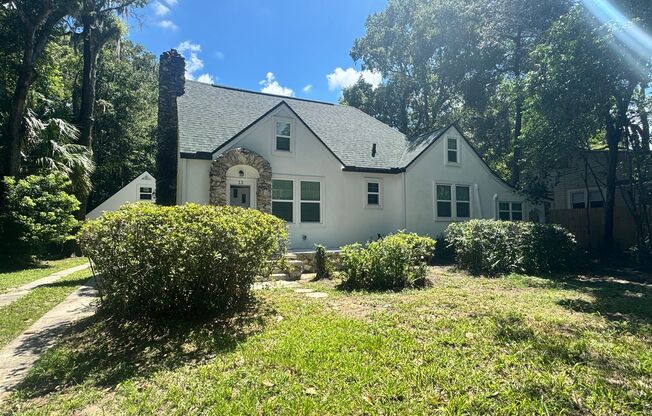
171, 82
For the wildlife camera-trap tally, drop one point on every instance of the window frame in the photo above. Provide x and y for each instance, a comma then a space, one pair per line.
292, 201
511, 210
141, 193
586, 197
366, 193
453, 201
456, 150
291, 137
310, 201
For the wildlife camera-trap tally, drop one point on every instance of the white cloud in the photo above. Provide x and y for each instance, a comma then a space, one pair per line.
194, 63
206, 79
271, 86
171, 2
342, 78
160, 9
167, 24
307, 88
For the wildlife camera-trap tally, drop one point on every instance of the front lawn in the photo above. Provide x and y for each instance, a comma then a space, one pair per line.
16, 278
22, 313
514, 345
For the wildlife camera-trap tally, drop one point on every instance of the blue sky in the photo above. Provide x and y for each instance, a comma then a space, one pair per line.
290, 47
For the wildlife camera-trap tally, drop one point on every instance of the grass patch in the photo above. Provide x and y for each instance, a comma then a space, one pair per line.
19, 315
13, 279
512, 345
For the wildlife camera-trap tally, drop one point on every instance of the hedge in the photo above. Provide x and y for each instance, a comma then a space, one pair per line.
394, 262
157, 260
499, 247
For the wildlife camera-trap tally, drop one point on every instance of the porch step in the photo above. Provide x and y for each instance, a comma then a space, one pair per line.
279, 276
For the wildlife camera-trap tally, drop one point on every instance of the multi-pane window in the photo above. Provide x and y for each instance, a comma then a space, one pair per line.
462, 201
373, 193
453, 201
579, 199
510, 211
310, 201
283, 199
444, 201
145, 193
451, 150
283, 135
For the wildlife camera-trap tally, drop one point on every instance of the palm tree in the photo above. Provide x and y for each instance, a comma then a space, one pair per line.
49, 147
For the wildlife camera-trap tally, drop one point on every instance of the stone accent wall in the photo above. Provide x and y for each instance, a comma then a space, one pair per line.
171, 84
241, 156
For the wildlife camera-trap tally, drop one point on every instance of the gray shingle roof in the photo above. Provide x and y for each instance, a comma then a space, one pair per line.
209, 116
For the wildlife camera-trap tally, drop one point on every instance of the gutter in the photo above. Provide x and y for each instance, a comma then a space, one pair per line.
372, 170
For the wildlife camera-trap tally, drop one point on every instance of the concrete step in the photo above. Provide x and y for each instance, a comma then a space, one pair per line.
290, 256
279, 276
295, 263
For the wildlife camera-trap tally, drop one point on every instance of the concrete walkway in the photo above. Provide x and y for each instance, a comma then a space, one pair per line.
20, 354
15, 294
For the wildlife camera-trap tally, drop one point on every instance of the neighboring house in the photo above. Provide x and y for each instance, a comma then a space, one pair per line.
579, 193
335, 174
143, 188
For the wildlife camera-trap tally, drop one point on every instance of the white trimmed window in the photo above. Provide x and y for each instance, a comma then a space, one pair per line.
452, 201
578, 199
283, 136
510, 211
373, 190
283, 199
310, 203
145, 193
452, 154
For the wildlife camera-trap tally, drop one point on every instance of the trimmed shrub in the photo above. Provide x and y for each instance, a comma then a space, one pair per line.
158, 260
394, 262
323, 266
498, 247
39, 216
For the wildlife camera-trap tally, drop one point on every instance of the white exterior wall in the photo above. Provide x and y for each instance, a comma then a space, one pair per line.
345, 219
407, 199
432, 168
129, 193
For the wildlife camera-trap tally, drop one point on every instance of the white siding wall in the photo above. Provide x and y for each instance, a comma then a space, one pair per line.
129, 193
345, 219
431, 167
345, 216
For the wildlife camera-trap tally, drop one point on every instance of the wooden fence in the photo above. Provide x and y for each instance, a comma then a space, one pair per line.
588, 226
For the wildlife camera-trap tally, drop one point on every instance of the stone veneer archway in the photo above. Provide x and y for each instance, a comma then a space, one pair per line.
241, 156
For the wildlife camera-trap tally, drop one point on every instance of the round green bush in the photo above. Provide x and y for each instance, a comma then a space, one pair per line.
158, 260
498, 247
394, 262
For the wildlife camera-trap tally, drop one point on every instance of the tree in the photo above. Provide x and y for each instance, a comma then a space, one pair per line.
99, 23
584, 88
39, 19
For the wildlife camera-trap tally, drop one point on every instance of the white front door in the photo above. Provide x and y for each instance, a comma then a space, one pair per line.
240, 196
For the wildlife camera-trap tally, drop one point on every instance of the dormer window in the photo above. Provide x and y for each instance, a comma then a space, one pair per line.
283, 136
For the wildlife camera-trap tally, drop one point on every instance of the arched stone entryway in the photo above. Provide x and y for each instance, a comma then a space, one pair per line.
255, 170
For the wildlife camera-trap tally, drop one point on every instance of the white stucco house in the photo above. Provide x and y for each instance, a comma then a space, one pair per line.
335, 174
142, 188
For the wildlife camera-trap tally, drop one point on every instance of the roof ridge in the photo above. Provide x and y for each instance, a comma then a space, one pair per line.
262, 93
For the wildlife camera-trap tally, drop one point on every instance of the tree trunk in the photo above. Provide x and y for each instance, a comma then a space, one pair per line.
613, 138
518, 112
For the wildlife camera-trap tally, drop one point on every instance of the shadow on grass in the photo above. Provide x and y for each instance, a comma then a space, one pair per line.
104, 351
616, 299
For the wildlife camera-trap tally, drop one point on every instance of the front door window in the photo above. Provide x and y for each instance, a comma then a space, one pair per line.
240, 196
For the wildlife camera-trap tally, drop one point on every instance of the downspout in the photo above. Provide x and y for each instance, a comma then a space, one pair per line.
476, 197
404, 201
495, 199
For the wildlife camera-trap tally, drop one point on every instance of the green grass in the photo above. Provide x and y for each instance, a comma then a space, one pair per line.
515, 345
33, 272
19, 315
